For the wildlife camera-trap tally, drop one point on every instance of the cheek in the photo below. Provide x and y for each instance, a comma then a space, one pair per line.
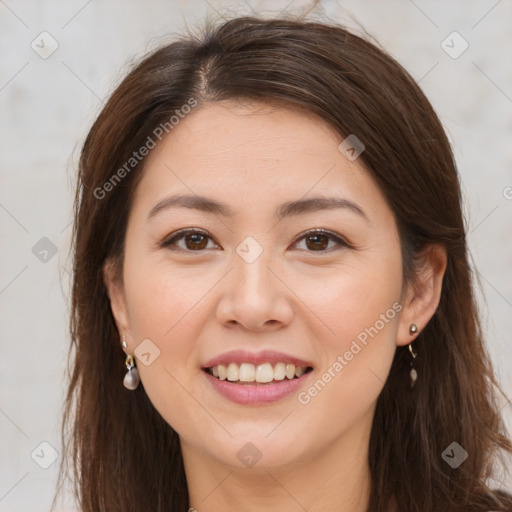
355, 360
161, 300
167, 306
359, 309
354, 297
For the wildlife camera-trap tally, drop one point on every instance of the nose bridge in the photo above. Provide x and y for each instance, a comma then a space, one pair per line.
254, 296
251, 260
252, 277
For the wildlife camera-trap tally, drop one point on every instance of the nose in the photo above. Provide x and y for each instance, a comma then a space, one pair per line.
254, 297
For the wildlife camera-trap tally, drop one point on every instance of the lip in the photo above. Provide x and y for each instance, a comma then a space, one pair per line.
256, 394
264, 356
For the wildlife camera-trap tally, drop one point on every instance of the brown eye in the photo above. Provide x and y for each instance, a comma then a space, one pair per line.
317, 242
196, 241
190, 240
321, 241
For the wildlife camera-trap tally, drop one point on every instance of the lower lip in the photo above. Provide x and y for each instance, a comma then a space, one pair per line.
256, 394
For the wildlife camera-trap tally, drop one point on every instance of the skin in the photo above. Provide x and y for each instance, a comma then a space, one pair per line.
293, 298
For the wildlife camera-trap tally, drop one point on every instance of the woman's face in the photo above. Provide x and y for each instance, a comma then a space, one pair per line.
256, 277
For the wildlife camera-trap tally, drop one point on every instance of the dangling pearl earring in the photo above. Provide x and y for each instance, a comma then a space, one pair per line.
131, 379
413, 329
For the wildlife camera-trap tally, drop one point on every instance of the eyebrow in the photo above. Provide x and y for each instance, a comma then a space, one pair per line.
290, 208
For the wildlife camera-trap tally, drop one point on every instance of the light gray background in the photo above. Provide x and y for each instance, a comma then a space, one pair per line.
47, 106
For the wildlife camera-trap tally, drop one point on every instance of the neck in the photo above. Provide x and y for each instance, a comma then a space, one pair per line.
337, 480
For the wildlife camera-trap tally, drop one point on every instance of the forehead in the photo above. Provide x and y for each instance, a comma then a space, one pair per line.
228, 123
253, 151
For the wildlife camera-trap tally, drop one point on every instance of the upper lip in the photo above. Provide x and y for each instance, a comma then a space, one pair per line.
264, 356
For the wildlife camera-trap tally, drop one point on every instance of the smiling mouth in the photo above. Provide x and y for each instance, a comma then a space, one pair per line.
266, 373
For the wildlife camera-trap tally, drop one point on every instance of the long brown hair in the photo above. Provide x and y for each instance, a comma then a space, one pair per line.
125, 456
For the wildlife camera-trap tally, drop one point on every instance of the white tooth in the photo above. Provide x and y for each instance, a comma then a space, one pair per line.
223, 372
232, 372
279, 371
247, 372
290, 371
264, 373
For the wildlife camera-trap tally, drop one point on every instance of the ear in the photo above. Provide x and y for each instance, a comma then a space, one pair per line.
421, 298
115, 291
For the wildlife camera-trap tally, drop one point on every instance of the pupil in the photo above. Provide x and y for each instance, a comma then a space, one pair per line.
320, 241
197, 241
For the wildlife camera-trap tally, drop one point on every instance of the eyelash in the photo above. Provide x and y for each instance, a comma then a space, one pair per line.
184, 232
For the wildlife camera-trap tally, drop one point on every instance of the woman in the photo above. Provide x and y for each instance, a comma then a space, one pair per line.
270, 255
